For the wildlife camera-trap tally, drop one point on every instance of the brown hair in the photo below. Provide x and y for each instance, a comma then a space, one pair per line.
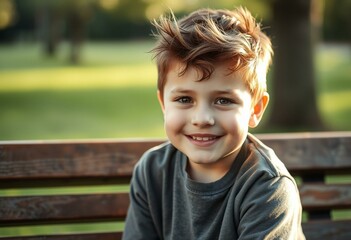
207, 36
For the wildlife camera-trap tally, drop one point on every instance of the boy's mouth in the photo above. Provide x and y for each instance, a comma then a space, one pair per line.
203, 139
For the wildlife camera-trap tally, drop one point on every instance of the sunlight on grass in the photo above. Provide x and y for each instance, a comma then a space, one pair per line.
80, 113
112, 93
335, 102
77, 78
331, 57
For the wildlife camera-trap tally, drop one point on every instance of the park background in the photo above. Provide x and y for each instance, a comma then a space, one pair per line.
82, 69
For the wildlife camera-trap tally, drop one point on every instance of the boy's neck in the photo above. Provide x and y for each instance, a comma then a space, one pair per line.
211, 172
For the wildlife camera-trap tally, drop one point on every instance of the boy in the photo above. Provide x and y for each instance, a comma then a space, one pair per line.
213, 180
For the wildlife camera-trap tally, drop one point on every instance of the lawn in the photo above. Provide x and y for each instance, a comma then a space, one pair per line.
333, 70
112, 93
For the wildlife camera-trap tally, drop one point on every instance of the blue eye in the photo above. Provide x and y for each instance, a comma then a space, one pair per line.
224, 101
184, 100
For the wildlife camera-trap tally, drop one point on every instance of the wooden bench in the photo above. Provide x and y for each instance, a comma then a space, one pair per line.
315, 159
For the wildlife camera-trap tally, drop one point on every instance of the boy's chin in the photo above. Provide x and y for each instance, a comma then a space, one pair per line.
203, 160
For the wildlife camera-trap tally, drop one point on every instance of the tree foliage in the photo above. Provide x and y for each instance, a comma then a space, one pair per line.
337, 21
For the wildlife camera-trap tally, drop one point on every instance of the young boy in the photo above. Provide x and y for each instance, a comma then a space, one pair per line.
213, 180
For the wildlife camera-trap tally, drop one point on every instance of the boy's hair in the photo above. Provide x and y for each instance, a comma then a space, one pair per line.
207, 36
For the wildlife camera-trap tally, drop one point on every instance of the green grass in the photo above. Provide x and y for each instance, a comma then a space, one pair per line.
80, 113
62, 229
112, 94
334, 85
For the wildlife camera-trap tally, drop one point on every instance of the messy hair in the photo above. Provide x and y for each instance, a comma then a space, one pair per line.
207, 36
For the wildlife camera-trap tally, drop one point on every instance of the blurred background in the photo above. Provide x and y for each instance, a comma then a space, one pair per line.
82, 69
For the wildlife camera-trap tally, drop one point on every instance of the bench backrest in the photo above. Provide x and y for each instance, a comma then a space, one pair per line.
315, 159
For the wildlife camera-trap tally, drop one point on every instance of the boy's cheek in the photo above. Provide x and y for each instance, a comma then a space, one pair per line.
171, 116
173, 119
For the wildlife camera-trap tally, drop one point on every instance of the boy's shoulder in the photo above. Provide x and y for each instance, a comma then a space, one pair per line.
159, 157
263, 158
159, 152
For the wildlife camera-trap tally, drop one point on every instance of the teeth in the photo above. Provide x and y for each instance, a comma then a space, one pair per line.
203, 138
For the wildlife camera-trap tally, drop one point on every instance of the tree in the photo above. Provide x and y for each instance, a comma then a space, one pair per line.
49, 21
336, 27
55, 15
294, 105
77, 15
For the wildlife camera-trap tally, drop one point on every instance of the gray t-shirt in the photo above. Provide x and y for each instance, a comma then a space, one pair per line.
256, 199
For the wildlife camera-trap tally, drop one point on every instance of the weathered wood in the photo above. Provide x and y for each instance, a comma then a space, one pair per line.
35, 164
90, 236
70, 159
316, 197
326, 229
62, 208
308, 154
311, 154
45, 183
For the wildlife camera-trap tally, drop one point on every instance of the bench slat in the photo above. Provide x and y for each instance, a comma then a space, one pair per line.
317, 230
61, 208
68, 163
301, 155
325, 196
313, 155
63, 182
70, 160
88, 206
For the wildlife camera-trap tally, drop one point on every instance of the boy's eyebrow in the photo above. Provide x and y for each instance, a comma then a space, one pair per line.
228, 91
231, 92
181, 90
224, 91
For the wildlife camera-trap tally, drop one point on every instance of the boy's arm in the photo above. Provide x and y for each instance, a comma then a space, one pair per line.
139, 223
271, 209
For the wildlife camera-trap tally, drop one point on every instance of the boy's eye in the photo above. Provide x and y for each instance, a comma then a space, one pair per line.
184, 100
224, 101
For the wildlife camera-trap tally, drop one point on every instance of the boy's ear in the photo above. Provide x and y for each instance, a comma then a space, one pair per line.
160, 100
258, 110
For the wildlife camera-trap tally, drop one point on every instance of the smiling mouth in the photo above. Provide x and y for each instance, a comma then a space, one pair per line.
203, 139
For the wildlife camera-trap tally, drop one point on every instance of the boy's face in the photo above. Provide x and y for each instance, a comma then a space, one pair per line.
208, 120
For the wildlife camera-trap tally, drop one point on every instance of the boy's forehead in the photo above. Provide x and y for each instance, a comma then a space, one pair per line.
220, 67
175, 65
222, 79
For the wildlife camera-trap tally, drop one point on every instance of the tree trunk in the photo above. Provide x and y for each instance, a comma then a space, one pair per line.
49, 25
294, 104
76, 28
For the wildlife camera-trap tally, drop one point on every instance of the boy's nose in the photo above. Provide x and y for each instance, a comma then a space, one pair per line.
202, 117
